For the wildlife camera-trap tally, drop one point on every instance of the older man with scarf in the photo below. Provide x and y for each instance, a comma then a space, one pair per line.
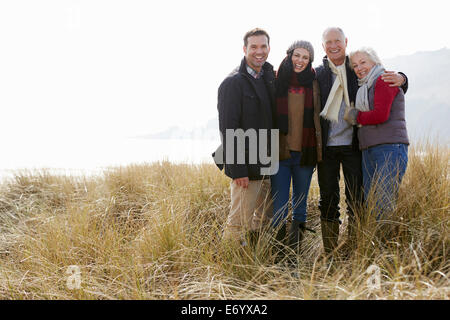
338, 87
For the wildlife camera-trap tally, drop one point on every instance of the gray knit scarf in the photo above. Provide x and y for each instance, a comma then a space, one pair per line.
362, 96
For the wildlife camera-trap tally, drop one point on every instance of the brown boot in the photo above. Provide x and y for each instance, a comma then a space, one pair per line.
330, 235
346, 248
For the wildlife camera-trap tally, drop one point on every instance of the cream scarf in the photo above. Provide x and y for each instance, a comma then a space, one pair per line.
338, 91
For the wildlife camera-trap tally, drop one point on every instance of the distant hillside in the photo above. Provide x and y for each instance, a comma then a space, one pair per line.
428, 96
210, 131
427, 99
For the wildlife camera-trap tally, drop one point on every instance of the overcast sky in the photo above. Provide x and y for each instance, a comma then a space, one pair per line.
125, 68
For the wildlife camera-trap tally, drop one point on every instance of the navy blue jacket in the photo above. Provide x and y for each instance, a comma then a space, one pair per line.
241, 107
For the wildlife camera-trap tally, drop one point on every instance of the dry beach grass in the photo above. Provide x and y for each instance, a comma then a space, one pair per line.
153, 232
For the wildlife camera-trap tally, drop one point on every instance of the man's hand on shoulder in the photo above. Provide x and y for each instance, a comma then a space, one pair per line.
242, 182
394, 79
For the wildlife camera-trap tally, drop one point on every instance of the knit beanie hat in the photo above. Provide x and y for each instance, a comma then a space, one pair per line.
302, 44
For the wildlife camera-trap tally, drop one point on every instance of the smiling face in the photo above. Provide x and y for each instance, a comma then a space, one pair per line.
334, 43
300, 59
361, 64
257, 51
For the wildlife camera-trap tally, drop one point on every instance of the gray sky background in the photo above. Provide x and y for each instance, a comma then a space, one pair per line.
123, 68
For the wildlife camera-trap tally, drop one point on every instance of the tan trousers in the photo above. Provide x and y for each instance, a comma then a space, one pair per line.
251, 209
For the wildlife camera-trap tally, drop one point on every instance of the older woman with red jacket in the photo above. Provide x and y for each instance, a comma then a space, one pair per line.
380, 114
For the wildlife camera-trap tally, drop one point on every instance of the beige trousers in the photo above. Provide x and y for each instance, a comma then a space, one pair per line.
251, 209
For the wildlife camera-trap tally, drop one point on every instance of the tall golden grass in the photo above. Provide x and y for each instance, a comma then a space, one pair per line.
154, 232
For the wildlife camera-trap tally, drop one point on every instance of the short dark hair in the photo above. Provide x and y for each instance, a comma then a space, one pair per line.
256, 32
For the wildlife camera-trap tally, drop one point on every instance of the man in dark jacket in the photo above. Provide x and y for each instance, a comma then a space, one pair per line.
246, 104
338, 87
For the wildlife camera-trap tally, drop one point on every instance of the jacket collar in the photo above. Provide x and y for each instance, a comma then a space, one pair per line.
326, 64
267, 67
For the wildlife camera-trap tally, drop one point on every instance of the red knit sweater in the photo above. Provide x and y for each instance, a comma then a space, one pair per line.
383, 98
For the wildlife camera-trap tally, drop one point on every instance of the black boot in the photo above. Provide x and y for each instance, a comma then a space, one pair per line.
281, 233
296, 234
280, 243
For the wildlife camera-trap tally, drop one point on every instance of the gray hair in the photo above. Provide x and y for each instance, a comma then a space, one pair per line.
302, 44
370, 52
327, 30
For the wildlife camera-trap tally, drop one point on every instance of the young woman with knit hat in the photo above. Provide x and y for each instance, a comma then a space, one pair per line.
298, 108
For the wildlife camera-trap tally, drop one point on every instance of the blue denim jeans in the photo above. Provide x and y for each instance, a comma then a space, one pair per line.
383, 169
290, 170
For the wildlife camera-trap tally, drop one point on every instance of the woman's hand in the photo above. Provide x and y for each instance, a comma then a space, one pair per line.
350, 115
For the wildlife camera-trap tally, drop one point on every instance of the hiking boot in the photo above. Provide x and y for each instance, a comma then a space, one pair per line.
330, 235
280, 243
296, 235
347, 247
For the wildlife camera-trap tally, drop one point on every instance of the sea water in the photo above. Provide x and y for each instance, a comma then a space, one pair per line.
93, 155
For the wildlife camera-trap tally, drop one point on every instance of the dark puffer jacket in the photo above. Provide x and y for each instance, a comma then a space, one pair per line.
241, 106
